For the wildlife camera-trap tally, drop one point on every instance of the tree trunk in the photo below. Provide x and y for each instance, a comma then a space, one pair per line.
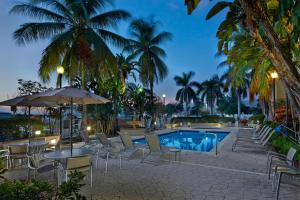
239, 104
152, 104
83, 127
274, 50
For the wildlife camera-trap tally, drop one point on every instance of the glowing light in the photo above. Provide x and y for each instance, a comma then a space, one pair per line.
53, 141
274, 75
164, 96
88, 128
38, 132
60, 69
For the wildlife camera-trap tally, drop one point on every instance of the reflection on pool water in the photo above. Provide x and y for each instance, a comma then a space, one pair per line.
189, 140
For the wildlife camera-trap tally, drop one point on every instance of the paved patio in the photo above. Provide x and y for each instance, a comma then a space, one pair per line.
227, 176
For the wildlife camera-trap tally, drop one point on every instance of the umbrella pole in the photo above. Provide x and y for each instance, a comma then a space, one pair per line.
29, 123
71, 135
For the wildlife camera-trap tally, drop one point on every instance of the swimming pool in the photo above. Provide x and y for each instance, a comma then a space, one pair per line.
189, 140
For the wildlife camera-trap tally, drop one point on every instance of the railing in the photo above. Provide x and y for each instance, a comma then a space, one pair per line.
216, 136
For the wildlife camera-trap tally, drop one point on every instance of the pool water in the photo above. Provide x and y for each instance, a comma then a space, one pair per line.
189, 140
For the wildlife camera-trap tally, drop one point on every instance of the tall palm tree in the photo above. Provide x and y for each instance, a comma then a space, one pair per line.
79, 31
211, 91
145, 46
186, 93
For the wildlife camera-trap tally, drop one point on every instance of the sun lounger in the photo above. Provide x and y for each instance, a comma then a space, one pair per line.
259, 145
130, 147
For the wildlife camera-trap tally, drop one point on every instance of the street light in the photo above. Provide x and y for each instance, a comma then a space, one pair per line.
60, 71
274, 76
164, 98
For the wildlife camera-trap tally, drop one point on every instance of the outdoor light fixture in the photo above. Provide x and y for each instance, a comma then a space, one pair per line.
140, 89
53, 141
164, 96
274, 75
38, 132
60, 69
88, 128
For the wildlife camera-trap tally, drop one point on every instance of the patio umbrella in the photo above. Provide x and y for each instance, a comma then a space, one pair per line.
69, 95
24, 101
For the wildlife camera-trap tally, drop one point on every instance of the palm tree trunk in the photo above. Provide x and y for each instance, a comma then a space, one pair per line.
83, 130
274, 50
152, 103
239, 103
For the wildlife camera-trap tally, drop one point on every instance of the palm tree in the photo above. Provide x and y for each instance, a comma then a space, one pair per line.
211, 91
145, 46
126, 66
79, 32
186, 93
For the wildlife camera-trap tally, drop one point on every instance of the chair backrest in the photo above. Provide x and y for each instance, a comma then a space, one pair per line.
85, 137
265, 133
78, 162
290, 155
17, 149
33, 160
126, 140
153, 142
269, 135
103, 139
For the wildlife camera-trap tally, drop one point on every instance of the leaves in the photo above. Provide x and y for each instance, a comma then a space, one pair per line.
218, 7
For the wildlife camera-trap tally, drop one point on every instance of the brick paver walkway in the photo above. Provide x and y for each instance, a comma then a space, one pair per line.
228, 176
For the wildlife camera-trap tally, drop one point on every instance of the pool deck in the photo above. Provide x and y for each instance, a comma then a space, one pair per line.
201, 176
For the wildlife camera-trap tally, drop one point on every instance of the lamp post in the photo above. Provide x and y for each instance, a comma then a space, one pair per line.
60, 71
164, 99
274, 76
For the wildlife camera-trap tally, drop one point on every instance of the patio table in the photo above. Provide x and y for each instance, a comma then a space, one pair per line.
32, 143
63, 154
59, 155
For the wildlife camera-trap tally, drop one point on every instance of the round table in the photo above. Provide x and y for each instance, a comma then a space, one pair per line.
63, 154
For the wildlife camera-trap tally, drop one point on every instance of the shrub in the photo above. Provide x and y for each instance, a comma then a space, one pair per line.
258, 117
282, 144
36, 190
203, 119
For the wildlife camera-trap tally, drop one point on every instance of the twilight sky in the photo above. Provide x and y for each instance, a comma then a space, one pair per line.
193, 47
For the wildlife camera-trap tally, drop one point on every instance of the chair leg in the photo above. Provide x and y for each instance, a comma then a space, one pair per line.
278, 185
106, 162
66, 176
120, 162
269, 169
91, 174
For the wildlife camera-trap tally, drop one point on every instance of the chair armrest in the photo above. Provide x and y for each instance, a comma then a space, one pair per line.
273, 153
287, 167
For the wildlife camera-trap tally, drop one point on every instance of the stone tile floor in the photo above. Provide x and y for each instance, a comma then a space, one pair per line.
228, 176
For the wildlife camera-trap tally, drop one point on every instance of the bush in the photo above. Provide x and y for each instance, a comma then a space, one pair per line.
282, 144
203, 119
258, 117
13, 128
14, 190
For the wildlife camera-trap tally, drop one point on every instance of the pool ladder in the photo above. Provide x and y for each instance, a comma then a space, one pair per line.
216, 136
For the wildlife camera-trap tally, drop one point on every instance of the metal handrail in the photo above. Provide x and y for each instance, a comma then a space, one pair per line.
216, 136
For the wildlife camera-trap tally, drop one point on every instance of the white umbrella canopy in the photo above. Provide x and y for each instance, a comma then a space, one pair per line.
24, 101
69, 95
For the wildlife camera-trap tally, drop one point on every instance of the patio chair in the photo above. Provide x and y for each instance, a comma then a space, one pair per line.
92, 145
253, 135
257, 145
79, 164
156, 150
281, 170
256, 139
130, 147
111, 150
4, 154
275, 158
17, 152
34, 162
